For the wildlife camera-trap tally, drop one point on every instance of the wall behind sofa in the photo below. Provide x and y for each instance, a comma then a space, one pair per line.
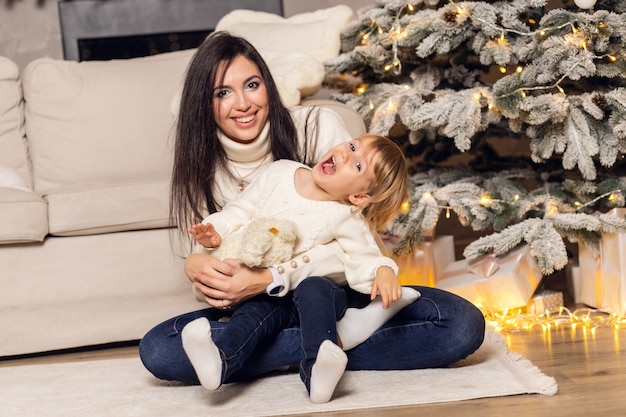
30, 29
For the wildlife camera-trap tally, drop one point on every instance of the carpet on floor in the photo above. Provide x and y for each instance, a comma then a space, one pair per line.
122, 387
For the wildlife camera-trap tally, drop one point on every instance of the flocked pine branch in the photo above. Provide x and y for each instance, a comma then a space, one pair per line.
580, 51
473, 74
545, 218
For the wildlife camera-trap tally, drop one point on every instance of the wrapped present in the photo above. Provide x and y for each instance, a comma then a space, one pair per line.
572, 275
546, 301
603, 279
426, 263
492, 282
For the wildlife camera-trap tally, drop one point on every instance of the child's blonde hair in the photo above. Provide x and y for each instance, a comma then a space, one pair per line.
390, 189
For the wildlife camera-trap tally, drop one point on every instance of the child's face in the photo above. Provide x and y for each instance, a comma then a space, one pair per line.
347, 171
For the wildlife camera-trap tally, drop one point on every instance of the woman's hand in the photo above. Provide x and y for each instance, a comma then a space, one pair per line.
225, 283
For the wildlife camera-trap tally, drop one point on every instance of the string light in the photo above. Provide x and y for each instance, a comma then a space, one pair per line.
502, 40
611, 196
360, 90
406, 207
514, 320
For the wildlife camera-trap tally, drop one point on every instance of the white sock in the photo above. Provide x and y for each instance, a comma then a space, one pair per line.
325, 375
357, 324
202, 353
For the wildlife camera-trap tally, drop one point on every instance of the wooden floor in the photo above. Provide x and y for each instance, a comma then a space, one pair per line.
590, 370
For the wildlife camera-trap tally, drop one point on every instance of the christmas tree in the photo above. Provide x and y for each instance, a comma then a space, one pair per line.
462, 85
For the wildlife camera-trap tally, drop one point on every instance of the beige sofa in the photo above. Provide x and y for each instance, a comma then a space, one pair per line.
85, 159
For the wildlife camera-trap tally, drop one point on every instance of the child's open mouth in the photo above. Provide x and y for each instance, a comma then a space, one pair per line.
328, 166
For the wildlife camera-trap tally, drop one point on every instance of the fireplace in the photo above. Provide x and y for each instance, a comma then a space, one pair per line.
117, 29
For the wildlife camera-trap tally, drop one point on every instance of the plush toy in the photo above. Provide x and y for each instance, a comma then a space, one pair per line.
263, 242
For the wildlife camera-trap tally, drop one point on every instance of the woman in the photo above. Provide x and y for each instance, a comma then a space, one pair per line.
232, 124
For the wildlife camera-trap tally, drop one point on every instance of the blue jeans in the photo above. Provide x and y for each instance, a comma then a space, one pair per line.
318, 303
255, 321
439, 328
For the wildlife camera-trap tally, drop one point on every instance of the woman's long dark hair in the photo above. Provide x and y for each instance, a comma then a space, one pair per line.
198, 154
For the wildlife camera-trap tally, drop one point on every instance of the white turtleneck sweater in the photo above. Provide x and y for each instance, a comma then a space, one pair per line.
249, 160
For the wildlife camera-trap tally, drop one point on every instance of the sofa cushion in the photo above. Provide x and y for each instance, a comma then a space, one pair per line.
13, 153
315, 33
23, 216
109, 208
102, 127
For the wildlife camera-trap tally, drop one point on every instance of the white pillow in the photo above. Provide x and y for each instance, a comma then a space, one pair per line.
315, 33
296, 75
11, 179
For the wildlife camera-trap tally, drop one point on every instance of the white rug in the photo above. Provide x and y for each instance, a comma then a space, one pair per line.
122, 387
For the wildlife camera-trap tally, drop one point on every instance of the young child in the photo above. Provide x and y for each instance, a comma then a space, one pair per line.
344, 200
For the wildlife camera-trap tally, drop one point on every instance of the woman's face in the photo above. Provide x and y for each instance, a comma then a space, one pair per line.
240, 102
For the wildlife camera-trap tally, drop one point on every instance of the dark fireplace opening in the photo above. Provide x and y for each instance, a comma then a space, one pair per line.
117, 29
134, 46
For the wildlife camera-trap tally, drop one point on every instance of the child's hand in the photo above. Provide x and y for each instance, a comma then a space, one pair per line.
387, 285
205, 235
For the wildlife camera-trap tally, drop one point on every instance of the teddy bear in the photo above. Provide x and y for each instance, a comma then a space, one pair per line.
262, 243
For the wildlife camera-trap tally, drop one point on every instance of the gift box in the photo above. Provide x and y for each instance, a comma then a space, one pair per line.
603, 279
572, 275
426, 263
546, 301
494, 282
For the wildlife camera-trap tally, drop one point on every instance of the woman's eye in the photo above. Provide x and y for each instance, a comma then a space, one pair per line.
221, 93
253, 85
